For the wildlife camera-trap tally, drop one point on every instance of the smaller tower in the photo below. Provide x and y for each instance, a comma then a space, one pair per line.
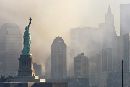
109, 18
38, 69
81, 66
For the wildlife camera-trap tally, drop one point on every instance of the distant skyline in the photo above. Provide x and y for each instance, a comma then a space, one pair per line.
53, 18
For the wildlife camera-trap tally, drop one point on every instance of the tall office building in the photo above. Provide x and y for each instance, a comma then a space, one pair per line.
10, 48
48, 68
119, 56
107, 60
126, 51
109, 32
81, 66
124, 19
124, 31
109, 36
58, 59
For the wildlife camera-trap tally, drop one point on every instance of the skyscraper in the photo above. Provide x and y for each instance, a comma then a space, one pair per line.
10, 48
81, 66
109, 36
124, 19
124, 31
58, 59
109, 32
107, 60
126, 51
48, 68
38, 69
119, 56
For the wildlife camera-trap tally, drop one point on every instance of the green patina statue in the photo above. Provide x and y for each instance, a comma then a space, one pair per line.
27, 40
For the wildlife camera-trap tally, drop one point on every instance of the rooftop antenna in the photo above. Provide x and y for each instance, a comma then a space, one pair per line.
122, 75
107, 4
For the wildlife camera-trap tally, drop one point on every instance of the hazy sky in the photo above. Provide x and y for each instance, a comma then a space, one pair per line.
56, 17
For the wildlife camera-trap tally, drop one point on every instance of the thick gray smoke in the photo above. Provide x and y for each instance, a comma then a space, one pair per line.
53, 18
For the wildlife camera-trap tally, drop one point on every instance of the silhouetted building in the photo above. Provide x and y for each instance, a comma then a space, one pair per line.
118, 54
10, 48
81, 66
78, 82
107, 60
98, 61
38, 69
114, 79
109, 32
48, 68
126, 51
58, 59
109, 35
125, 29
95, 70
124, 19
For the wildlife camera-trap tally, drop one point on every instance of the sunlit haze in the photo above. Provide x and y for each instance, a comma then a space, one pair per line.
53, 18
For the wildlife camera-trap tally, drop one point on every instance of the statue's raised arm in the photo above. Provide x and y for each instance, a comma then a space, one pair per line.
30, 22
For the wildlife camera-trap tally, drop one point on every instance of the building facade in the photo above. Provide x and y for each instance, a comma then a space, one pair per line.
10, 48
124, 19
81, 66
38, 69
58, 59
109, 36
125, 36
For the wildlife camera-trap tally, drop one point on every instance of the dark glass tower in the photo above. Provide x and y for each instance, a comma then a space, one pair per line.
10, 48
58, 59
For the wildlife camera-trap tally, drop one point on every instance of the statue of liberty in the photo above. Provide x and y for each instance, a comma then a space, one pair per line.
27, 40
25, 60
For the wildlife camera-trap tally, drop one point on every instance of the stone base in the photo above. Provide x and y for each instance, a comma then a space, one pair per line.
33, 84
25, 79
25, 65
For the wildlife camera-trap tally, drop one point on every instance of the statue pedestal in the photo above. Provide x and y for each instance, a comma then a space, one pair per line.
25, 73
25, 70
25, 79
25, 65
